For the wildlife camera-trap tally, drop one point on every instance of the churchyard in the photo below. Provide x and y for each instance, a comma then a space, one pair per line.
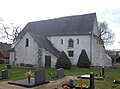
111, 74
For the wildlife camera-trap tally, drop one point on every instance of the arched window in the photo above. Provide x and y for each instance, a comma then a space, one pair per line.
70, 43
27, 42
61, 41
77, 41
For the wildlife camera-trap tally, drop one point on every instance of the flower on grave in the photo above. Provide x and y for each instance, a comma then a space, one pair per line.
66, 87
98, 75
82, 85
29, 74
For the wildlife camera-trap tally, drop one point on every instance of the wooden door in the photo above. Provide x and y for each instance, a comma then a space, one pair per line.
47, 61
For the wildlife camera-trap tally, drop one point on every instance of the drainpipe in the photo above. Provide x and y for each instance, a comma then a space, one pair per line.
91, 35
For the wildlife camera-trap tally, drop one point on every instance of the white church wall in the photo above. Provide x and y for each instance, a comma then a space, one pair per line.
53, 58
11, 58
27, 55
84, 43
99, 57
95, 29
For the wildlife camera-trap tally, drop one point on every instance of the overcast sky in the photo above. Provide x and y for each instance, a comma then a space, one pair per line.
20, 12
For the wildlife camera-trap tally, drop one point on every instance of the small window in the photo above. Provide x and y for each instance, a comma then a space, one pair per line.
27, 42
70, 43
77, 41
70, 53
61, 41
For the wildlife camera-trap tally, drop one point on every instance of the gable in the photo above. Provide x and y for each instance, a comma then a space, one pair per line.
45, 43
96, 31
70, 25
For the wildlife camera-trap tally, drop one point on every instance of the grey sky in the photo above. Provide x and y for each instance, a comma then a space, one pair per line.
21, 12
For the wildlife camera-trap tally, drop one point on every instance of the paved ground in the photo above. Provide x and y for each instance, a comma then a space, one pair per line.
53, 84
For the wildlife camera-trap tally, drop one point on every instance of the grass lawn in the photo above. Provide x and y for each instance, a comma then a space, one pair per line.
112, 74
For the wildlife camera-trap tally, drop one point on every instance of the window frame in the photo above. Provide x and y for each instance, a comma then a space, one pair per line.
71, 53
70, 43
78, 42
27, 42
61, 41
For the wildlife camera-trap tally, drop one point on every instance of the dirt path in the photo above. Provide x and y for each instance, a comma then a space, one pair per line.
53, 84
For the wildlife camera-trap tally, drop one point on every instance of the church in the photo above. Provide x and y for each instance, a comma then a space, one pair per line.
40, 42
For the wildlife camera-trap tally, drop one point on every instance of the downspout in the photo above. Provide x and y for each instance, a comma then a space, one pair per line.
91, 35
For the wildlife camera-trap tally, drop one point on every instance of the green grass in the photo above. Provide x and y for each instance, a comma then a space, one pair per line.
15, 73
111, 74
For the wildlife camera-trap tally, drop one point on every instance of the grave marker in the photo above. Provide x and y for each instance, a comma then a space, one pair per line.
92, 80
103, 72
4, 74
40, 77
60, 73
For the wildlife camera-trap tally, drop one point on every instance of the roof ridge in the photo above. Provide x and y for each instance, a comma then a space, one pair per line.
62, 17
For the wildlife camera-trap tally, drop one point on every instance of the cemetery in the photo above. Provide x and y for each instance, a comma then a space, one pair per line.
16, 76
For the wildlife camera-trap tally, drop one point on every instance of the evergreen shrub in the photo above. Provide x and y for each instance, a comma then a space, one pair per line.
83, 61
63, 61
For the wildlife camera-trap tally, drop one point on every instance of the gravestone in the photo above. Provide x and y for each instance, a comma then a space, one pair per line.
8, 66
40, 77
4, 74
103, 72
92, 80
60, 73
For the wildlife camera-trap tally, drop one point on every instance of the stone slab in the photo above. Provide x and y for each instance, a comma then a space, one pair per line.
85, 76
24, 83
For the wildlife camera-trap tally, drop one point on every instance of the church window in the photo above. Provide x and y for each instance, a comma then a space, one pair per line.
70, 53
70, 43
77, 41
27, 42
61, 41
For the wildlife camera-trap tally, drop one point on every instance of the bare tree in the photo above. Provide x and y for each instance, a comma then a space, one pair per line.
106, 35
11, 32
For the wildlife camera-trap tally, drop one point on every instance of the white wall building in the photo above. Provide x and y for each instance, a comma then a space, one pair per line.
41, 42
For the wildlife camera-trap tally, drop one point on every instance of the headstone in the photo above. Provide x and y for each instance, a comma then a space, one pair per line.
8, 66
40, 77
91, 80
103, 72
4, 74
60, 73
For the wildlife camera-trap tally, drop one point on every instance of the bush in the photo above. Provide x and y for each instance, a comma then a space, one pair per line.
21, 64
83, 61
28, 65
63, 61
1, 62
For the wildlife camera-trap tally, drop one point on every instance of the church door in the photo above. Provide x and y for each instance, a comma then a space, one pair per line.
47, 61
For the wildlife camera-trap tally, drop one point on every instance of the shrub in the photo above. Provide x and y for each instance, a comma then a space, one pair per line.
21, 64
1, 62
28, 65
63, 61
83, 61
